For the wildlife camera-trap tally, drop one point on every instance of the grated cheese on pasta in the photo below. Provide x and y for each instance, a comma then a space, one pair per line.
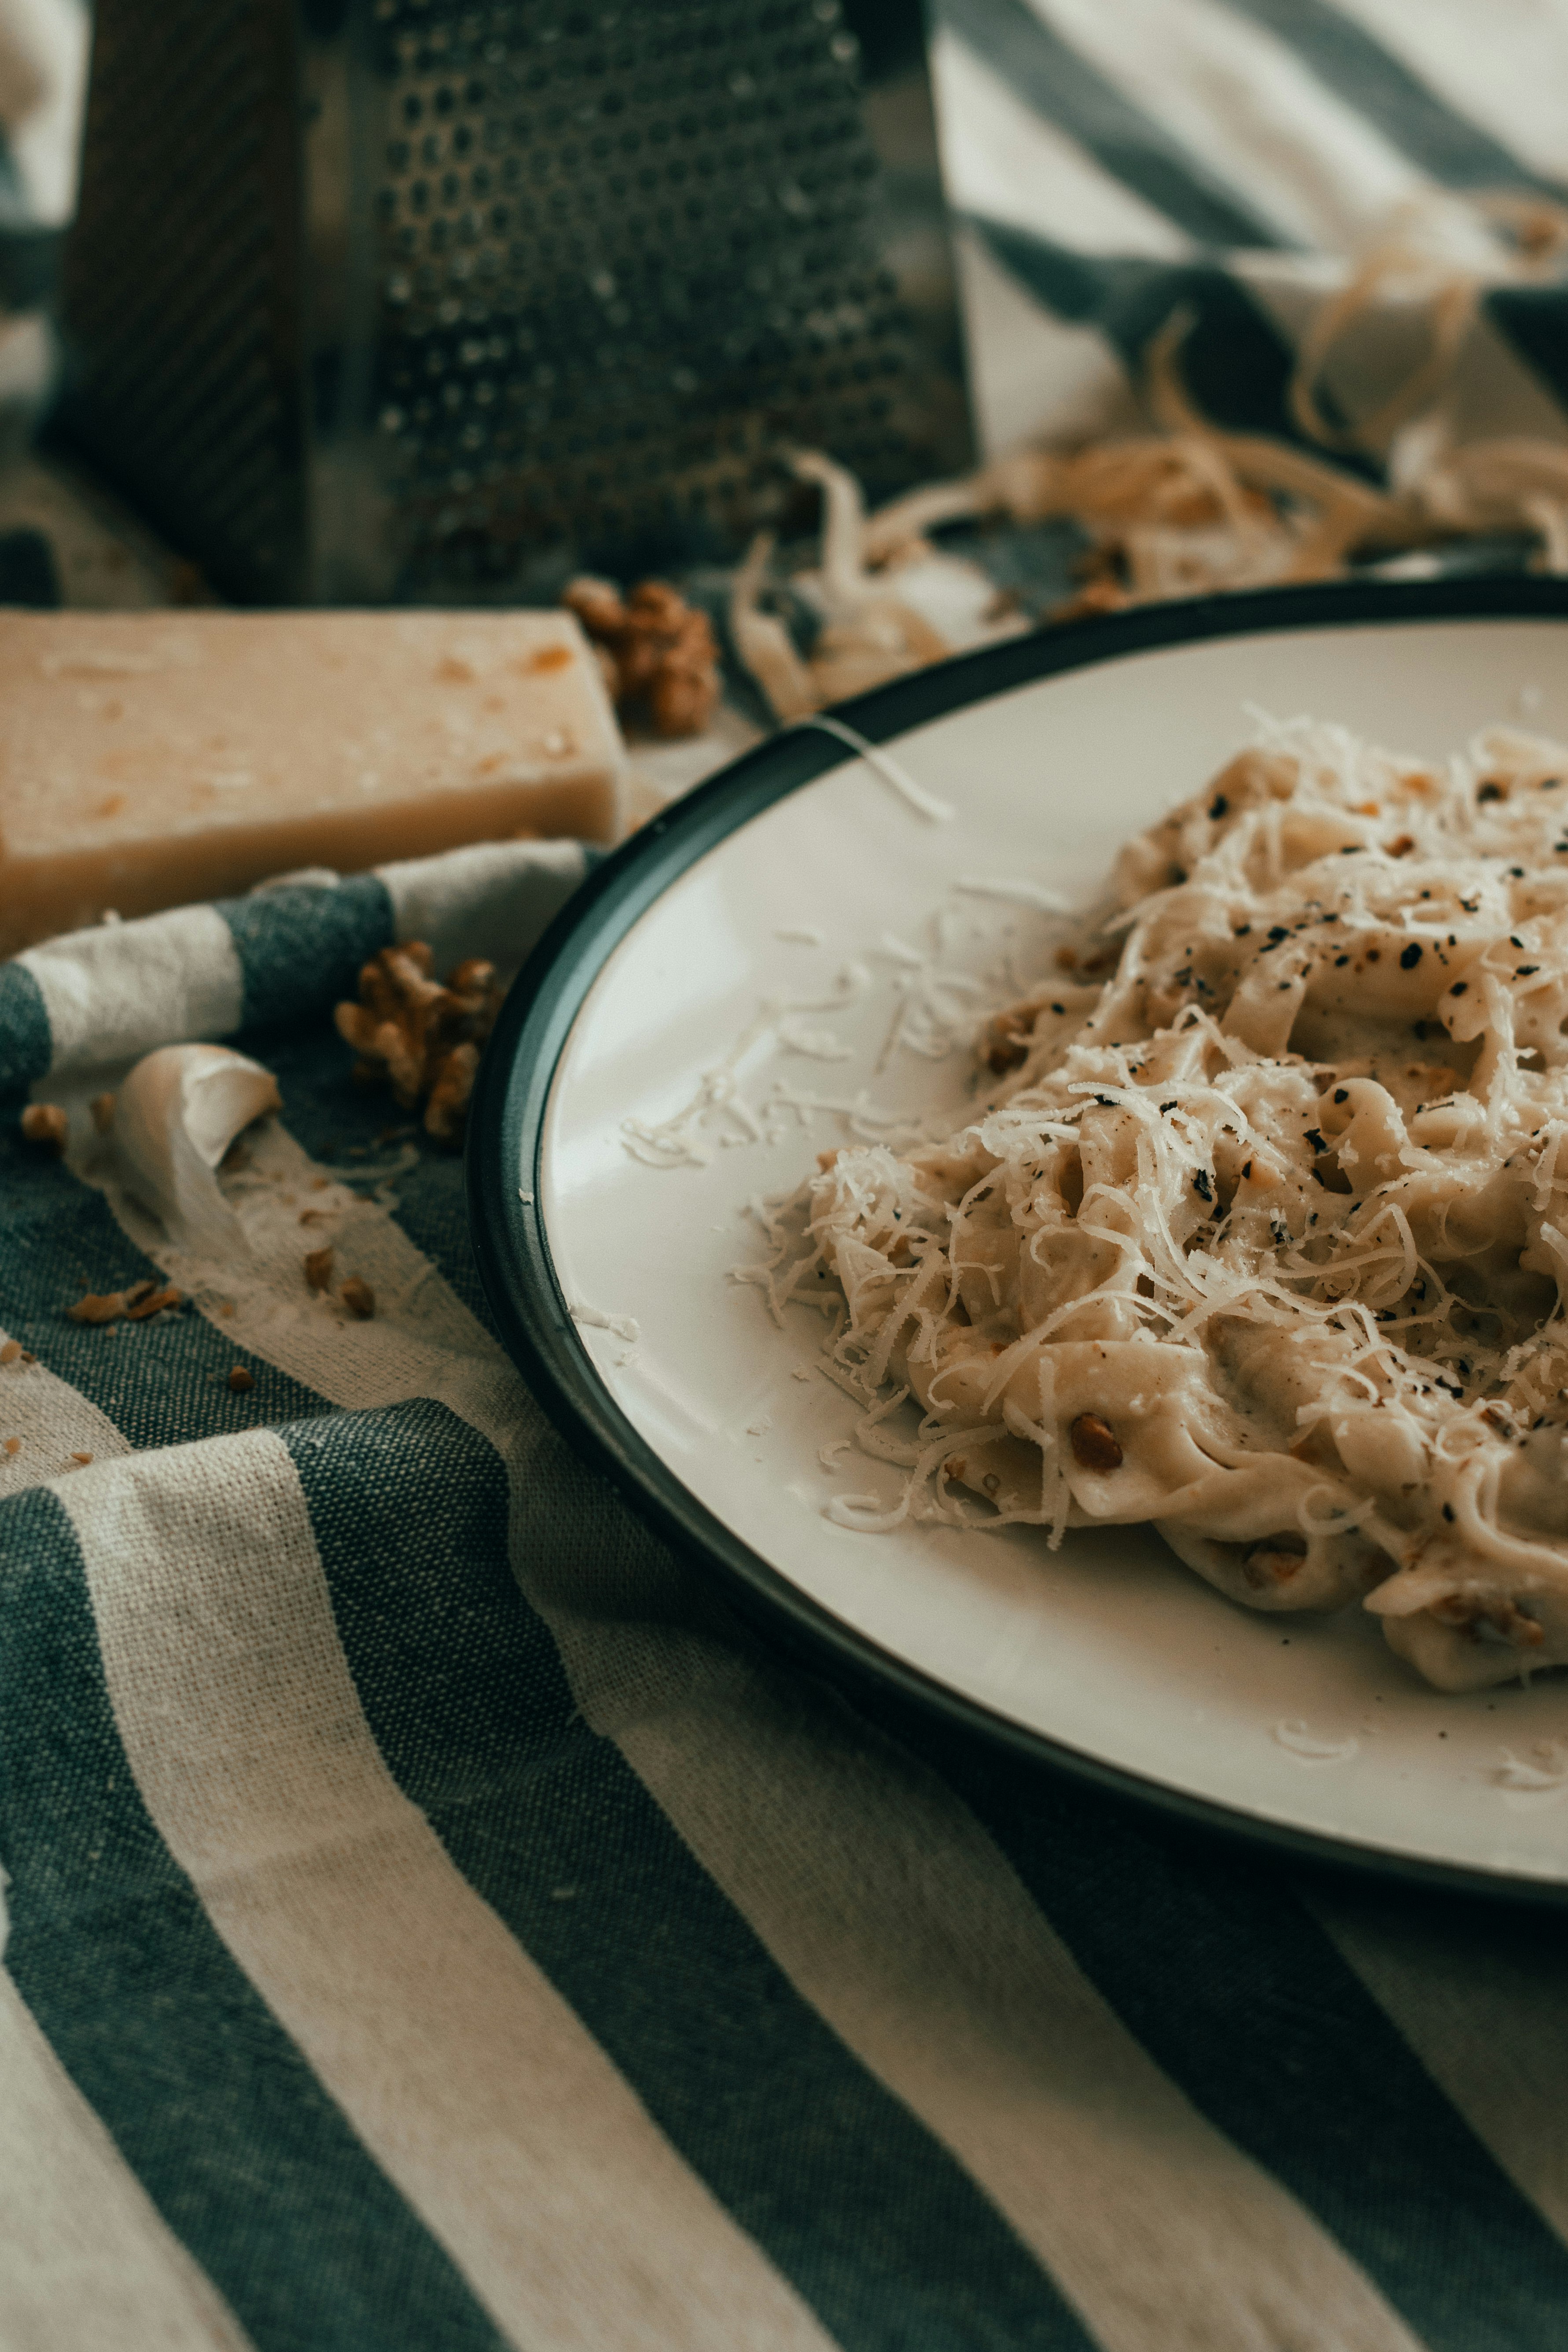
1261, 1232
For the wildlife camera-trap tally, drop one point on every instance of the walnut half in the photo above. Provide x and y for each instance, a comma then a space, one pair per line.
657, 652
422, 1035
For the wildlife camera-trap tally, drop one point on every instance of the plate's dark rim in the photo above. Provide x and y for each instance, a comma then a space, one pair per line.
507, 1119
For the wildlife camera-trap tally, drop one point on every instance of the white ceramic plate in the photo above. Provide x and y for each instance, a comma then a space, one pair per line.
800, 865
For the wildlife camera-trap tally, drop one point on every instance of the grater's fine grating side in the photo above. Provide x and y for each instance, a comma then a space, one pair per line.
399, 299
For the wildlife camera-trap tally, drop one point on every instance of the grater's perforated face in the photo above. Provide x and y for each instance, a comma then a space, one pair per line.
621, 256
179, 290
381, 298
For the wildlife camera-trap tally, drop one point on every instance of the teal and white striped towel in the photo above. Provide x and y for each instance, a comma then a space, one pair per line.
284, 952
1114, 162
433, 1924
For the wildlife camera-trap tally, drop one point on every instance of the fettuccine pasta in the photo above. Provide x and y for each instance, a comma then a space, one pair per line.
1259, 1231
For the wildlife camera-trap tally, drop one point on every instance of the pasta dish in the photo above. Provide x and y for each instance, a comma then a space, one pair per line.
1258, 1228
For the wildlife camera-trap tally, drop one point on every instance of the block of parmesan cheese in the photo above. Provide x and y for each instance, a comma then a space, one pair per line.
150, 759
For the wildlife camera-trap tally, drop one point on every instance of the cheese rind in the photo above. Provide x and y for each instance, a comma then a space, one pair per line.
148, 760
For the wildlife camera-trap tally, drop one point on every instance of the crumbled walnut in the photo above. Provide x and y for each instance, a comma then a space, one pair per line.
13, 1445
240, 1380
657, 652
426, 1038
10, 1351
102, 1109
135, 1303
81, 1459
106, 1306
1095, 1444
318, 1269
1468, 1612
1007, 1040
45, 1124
137, 1309
358, 1297
449, 1105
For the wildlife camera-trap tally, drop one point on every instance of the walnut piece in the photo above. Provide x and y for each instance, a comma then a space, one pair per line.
136, 1303
1470, 1611
318, 1269
1095, 1444
45, 1124
1007, 1039
138, 1308
425, 1037
659, 659
240, 1380
358, 1297
449, 1105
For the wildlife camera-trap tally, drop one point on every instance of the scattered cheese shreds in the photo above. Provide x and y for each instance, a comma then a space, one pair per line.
1261, 1231
1188, 507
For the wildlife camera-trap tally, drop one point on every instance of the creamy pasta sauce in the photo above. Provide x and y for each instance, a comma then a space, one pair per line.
1259, 1228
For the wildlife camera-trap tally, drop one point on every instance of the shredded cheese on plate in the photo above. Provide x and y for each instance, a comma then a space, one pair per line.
1260, 1230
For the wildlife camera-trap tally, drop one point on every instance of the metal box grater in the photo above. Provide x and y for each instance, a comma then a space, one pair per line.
381, 300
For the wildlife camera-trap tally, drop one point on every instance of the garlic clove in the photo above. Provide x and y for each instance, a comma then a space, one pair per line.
180, 1109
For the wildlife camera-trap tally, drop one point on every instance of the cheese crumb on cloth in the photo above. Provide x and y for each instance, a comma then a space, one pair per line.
430, 1921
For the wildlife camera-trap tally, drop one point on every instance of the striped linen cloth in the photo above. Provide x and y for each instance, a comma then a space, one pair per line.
432, 1922
1113, 161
